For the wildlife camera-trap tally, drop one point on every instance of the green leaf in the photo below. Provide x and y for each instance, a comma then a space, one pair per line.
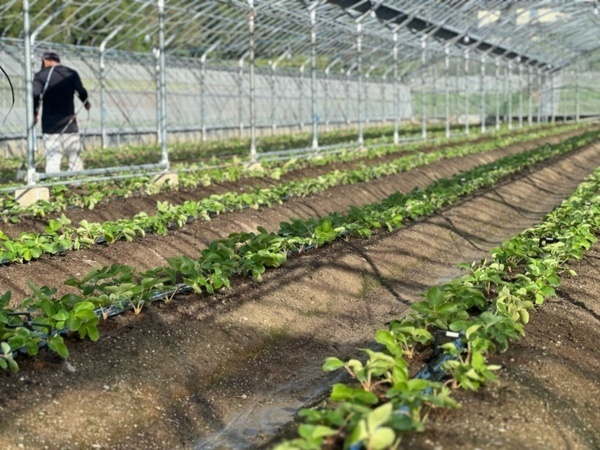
92, 331
5, 299
435, 297
61, 315
553, 280
417, 384
5, 348
74, 323
473, 375
448, 308
421, 307
382, 438
472, 329
13, 364
459, 325
386, 338
57, 344
478, 360
48, 307
548, 291
332, 364
379, 416
341, 392
315, 431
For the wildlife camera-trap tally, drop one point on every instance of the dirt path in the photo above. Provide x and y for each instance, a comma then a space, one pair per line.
228, 371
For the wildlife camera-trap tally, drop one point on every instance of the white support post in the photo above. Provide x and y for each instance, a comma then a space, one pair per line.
447, 88
482, 93
467, 102
423, 81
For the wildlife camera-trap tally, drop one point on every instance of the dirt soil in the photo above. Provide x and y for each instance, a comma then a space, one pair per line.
229, 371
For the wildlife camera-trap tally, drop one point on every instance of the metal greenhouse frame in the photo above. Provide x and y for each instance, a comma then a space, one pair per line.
197, 68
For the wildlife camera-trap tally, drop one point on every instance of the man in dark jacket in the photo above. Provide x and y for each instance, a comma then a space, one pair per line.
54, 87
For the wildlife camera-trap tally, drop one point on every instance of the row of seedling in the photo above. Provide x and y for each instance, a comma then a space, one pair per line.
43, 318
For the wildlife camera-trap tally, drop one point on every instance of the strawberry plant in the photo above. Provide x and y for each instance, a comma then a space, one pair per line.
520, 274
470, 371
252, 253
440, 311
403, 339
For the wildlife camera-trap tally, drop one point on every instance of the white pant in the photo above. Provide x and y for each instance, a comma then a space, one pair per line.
56, 144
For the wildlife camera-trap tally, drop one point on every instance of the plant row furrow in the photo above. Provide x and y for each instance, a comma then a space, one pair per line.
192, 176
60, 236
483, 311
43, 317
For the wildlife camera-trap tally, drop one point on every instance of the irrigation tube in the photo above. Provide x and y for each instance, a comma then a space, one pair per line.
101, 312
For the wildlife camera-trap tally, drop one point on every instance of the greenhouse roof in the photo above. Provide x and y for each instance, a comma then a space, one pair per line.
547, 34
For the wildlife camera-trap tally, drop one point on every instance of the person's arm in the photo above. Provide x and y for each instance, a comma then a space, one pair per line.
38, 86
81, 92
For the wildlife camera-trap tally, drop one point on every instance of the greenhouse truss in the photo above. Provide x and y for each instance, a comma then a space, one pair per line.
164, 70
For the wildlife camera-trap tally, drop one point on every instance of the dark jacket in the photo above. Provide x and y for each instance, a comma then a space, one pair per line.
58, 109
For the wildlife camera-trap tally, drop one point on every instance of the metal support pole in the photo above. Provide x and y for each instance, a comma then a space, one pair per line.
423, 81
251, 16
497, 92
348, 96
520, 95
241, 97
529, 99
359, 82
382, 97
157, 85
29, 43
202, 107
366, 95
456, 96
273, 93
396, 92
540, 96
313, 78
509, 113
482, 93
552, 100
577, 103
434, 96
162, 83
447, 88
301, 99
29, 94
326, 99
467, 119
103, 134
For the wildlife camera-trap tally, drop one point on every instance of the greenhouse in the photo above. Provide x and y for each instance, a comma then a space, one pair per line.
300, 224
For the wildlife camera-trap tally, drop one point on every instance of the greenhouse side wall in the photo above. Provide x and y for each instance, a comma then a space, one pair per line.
216, 101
